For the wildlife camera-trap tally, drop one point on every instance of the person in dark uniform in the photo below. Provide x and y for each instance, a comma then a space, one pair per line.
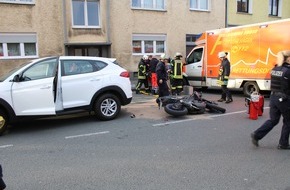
223, 77
142, 72
279, 102
162, 77
2, 184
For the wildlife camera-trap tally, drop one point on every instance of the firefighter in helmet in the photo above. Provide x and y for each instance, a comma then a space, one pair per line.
142, 72
176, 74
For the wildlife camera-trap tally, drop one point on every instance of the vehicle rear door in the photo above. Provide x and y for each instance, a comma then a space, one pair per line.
81, 79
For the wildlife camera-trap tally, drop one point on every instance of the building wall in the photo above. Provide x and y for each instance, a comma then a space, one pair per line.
45, 22
80, 35
118, 23
260, 9
176, 21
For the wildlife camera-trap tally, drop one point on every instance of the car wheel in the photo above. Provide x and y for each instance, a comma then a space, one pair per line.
3, 122
107, 107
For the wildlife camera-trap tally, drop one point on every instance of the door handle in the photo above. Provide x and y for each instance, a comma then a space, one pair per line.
95, 80
45, 87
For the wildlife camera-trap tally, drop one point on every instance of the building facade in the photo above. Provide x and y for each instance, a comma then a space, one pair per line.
241, 12
125, 29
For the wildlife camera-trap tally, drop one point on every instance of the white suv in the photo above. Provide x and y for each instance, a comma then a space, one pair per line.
62, 85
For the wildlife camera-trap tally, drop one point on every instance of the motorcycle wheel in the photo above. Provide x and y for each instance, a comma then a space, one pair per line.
215, 108
175, 110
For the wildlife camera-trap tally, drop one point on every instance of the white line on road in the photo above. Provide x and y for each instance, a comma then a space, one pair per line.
212, 116
6, 146
86, 135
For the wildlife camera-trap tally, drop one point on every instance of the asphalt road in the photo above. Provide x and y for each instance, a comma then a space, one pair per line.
148, 151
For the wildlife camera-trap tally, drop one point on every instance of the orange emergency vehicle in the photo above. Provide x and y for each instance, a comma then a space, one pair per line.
252, 51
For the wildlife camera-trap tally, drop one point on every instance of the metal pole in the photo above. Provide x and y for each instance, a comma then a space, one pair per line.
226, 14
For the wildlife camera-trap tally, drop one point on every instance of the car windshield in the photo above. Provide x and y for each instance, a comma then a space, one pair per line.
4, 76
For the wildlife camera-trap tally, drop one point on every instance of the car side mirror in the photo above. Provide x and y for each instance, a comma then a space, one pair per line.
16, 78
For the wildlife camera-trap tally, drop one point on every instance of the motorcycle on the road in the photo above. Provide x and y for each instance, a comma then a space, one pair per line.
191, 104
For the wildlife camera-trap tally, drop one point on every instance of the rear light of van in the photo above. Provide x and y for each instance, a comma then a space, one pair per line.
125, 74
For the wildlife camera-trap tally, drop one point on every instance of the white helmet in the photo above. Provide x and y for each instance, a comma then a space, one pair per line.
222, 54
177, 54
163, 56
145, 57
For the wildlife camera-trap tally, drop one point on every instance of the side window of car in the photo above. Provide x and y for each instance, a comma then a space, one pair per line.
75, 67
100, 65
40, 70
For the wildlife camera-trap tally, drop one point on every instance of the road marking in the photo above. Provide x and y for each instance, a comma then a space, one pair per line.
6, 146
87, 135
211, 116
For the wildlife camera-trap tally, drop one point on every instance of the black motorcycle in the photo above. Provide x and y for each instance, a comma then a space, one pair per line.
192, 104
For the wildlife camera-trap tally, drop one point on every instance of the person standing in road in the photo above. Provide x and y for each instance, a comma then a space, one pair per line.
223, 77
279, 102
142, 72
176, 74
153, 63
162, 77
2, 184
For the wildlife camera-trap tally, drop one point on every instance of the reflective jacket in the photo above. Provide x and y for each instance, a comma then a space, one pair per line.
142, 69
176, 66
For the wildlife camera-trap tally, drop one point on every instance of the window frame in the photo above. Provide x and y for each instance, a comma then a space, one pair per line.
154, 5
19, 39
278, 8
30, 2
148, 37
198, 8
86, 17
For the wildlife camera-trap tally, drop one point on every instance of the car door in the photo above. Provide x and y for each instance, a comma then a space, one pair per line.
194, 68
81, 79
34, 93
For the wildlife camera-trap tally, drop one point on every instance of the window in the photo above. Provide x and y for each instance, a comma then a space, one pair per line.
44, 69
73, 67
13, 49
86, 13
1, 50
274, 7
148, 44
18, 1
243, 6
149, 4
30, 49
195, 56
190, 41
14, 46
199, 5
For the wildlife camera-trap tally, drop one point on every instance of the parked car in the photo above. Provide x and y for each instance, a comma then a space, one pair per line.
63, 85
